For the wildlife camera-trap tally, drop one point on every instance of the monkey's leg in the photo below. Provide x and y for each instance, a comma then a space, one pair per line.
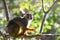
29, 30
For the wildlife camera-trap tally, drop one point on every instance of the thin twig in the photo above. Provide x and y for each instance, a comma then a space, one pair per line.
6, 9
43, 6
52, 5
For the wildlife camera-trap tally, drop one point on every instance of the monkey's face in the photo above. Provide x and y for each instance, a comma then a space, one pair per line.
29, 16
26, 14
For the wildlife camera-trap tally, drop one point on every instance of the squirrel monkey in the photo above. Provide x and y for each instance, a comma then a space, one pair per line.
19, 25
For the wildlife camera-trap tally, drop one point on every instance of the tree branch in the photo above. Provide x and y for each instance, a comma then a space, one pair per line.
40, 35
45, 14
31, 36
10, 6
42, 24
6, 9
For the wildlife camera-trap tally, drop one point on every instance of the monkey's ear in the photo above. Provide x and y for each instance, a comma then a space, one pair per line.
22, 11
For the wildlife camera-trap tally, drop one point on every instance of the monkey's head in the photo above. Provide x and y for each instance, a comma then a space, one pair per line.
26, 14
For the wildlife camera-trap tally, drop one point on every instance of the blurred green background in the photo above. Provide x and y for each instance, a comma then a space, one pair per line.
52, 23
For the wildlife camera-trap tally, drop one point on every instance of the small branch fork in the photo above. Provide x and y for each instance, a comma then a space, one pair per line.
45, 12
